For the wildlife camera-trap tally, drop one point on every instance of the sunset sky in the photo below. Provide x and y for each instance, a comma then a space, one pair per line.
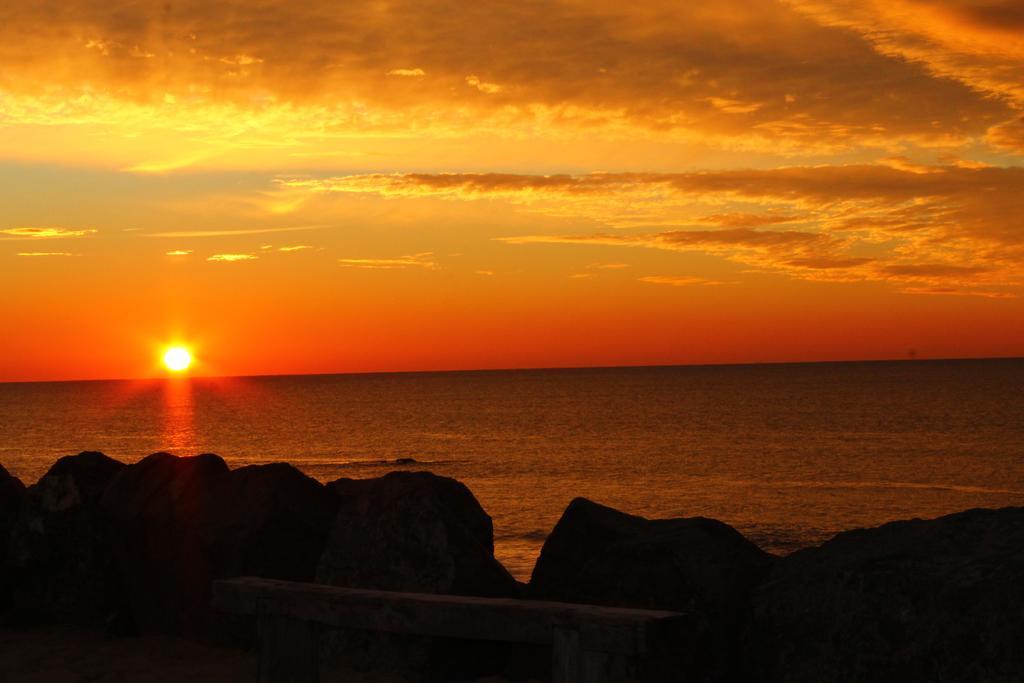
295, 187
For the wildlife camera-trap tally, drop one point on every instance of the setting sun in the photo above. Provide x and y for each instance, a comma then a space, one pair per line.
177, 358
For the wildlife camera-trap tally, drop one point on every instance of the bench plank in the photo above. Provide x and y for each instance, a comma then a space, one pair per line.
614, 630
566, 656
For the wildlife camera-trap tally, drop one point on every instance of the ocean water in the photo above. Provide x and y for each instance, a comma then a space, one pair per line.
788, 454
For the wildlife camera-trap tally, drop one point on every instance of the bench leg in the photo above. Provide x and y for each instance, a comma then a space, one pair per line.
571, 664
600, 667
566, 656
289, 651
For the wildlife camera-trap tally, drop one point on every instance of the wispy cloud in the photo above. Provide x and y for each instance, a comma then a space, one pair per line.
733, 106
422, 260
849, 222
179, 252
44, 233
681, 281
158, 166
955, 291
682, 240
231, 233
44, 253
296, 247
408, 73
232, 257
483, 86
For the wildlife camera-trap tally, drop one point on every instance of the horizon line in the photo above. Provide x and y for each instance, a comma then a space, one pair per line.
639, 366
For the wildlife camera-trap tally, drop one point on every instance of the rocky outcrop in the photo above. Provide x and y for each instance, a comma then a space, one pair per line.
601, 556
178, 523
412, 531
58, 547
12, 493
936, 600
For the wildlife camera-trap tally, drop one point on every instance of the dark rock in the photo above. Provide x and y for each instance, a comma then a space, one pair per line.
272, 522
936, 600
179, 523
58, 547
12, 495
601, 556
412, 531
158, 512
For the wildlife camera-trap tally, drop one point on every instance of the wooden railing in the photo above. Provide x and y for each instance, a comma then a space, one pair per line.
587, 641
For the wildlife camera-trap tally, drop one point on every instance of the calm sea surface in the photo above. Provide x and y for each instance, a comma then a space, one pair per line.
789, 454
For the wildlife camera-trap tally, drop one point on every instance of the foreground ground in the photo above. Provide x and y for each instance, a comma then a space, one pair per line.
68, 654
60, 654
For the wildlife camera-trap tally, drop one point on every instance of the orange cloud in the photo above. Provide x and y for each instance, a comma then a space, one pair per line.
979, 44
976, 203
43, 233
229, 258
949, 224
1009, 134
414, 73
681, 280
232, 233
422, 260
622, 70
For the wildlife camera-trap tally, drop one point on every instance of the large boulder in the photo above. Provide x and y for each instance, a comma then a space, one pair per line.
412, 531
158, 512
936, 600
418, 532
178, 523
58, 547
272, 521
598, 555
12, 493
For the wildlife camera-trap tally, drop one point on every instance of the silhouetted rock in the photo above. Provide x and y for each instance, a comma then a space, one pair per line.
273, 521
158, 512
12, 494
412, 531
936, 600
602, 556
58, 546
178, 523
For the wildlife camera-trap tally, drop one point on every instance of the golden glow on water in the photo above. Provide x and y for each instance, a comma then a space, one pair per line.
177, 417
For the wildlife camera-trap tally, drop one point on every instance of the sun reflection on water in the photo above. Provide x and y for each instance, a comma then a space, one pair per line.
178, 432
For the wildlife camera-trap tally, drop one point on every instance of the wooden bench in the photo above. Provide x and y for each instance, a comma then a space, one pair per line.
586, 640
